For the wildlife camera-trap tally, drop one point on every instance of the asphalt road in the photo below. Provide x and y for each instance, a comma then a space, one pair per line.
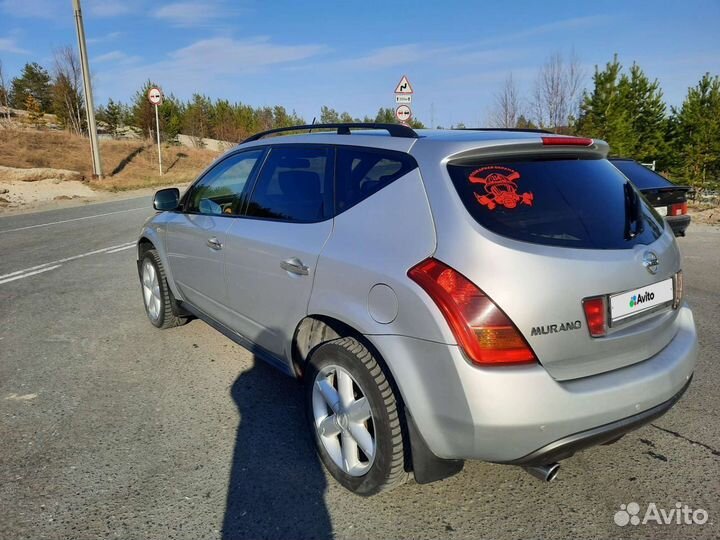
110, 428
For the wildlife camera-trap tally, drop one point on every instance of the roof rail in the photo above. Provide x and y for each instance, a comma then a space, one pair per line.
522, 130
395, 130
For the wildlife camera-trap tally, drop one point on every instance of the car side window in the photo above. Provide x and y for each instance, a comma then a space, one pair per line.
360, 172
295, 184
221, 190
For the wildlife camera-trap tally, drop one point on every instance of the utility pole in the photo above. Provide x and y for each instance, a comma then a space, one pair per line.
89, 106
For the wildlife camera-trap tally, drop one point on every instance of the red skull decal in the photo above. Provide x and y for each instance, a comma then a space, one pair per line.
500, 187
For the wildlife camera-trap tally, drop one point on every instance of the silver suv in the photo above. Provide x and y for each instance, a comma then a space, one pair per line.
499, 295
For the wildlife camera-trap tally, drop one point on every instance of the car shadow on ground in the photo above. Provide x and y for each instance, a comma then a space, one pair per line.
277, 484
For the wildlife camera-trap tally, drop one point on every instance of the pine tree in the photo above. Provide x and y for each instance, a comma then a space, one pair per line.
171, 113
328, 115
113, 117
643, 101
695, 130
602, 113
385, 116
35, 81
35, 114
196, 121
525, 123
627, 111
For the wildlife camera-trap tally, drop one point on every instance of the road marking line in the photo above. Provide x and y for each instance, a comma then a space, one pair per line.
28, 274
17, 274
74, 219
121, 249
24, 397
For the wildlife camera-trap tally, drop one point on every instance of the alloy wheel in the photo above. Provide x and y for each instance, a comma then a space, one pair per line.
151, 290
344, 420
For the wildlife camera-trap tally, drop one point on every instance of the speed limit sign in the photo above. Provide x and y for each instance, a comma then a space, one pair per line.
155, 96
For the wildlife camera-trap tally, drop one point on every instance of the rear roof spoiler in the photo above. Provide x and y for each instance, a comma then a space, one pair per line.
521, 148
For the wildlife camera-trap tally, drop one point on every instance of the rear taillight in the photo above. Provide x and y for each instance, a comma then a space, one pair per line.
678, 209
596, 315
485, 333
566, 141
678, 282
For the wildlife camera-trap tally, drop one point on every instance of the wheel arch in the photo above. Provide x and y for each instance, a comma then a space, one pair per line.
144, 244
316, 329
149, 239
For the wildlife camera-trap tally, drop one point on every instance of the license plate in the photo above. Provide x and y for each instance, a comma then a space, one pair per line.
630, 303
662, 210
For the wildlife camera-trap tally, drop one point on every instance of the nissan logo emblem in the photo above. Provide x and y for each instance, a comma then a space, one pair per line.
650, 261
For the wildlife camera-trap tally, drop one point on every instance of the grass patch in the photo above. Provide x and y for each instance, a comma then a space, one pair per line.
127, 164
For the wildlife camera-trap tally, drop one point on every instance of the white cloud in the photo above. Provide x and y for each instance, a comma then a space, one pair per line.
109, 8
117, 57
52, 9
411, 55
188, 13
205, 65
226, 56
394, 55
549, 28
9, 45
112, 36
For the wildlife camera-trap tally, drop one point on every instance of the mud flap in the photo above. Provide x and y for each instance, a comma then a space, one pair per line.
427, 467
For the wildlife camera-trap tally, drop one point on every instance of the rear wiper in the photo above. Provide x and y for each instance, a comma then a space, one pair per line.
633, 212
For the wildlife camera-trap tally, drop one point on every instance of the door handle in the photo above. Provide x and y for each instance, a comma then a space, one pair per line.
295, 266
214, 243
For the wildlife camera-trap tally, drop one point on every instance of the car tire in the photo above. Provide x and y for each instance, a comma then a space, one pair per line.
359, 442
157, 297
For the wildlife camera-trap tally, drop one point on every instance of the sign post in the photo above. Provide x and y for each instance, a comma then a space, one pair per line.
155, 98
403, 98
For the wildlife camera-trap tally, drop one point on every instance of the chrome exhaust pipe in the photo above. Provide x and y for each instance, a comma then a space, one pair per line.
544, 473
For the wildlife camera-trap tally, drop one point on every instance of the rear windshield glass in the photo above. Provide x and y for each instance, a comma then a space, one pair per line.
640, 175
565, 202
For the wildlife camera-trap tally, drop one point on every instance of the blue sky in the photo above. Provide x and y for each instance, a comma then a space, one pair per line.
350, 55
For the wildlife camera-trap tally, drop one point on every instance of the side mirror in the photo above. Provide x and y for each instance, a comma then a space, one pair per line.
166, 199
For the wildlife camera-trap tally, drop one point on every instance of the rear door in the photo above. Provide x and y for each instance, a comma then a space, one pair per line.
273, 250
197, 236
552, 233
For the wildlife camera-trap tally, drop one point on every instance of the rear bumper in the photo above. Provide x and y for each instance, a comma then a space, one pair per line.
567, 446
520, 413
678, 224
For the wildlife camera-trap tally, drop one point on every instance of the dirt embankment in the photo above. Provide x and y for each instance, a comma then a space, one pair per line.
710, 216
22, 187
40, 166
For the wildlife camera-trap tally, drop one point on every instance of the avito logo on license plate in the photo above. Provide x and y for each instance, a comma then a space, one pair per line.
640, 300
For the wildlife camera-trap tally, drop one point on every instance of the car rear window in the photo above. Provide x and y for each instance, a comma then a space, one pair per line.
360, 172
641, 176
577, 203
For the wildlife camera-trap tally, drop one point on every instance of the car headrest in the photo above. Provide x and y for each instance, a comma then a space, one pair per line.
300, 185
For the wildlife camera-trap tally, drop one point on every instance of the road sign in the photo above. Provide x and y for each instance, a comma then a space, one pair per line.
155, 96
403, 113
403, 98
404, 87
